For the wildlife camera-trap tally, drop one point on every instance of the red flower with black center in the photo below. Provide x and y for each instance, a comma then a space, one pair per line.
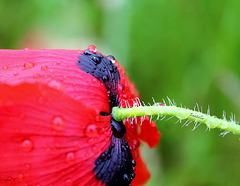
56, 125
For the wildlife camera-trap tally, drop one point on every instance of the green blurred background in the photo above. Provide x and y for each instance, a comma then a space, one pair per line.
188, 50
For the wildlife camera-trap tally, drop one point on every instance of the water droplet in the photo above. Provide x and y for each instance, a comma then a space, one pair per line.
15, 73
112, 59
92, 48
96, 59
27, 48
70, 157
102, 85
87, 52
94, 149
134, 163
69, 182
136, 144
91, 130
109, 156
56, 84
27, 145
105, 78
28, 65
124, 96
97, 118
78, 51
125, 177
58, 122
5, 68
20, 176
91, 141
120, 88
103, 156
94, 80
135, 155
44, 68
27, 166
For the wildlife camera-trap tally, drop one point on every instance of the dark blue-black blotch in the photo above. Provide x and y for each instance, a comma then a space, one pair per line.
115, 166
103, 69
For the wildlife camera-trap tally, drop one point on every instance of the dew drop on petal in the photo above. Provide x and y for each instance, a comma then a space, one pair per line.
15, 73
28, 65
69, 182
124, 96
70, 157
56, 84
58, 122
20, 176
44, 68
92, 48
27, 145
78, 51
112, 59
97, 118
94, 80
5, 68
27, 166
91, 141
27, 48
94, 149
120, 88
91, 130
136, 144
102, 85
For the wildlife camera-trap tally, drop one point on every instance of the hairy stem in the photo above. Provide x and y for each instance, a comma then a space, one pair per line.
120, 114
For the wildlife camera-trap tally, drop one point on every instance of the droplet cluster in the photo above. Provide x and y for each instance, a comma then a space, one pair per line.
103, 69
115, 166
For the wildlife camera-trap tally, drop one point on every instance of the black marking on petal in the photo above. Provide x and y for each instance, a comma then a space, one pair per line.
104, 114
103, 69
118, 128
115, 166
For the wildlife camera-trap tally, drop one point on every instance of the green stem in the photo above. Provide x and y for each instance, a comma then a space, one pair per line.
120, 114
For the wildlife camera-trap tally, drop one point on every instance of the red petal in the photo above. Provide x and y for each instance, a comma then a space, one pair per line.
149, 133
48, 137
55, 68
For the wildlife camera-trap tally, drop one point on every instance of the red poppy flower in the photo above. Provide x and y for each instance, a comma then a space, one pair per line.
55, 121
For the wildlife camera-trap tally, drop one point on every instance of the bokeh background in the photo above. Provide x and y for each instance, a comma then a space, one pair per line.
188, 50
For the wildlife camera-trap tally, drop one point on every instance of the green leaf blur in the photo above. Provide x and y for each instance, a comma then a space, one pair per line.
188, 50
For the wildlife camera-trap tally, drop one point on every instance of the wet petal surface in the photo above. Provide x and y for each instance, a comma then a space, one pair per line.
44, 139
